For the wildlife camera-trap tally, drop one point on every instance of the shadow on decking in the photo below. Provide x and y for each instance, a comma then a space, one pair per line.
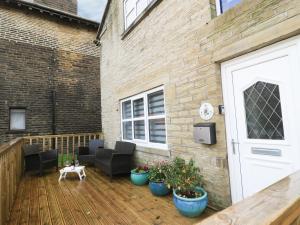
96, 200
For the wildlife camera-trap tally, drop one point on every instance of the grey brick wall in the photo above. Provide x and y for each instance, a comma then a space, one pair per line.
39, 55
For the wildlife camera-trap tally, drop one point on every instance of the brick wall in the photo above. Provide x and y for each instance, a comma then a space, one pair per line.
69, 6
175, 46
39, 55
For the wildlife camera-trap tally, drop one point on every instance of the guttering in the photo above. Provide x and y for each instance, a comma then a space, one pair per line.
100, 28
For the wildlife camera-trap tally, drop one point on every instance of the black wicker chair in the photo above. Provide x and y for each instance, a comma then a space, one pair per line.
48, 159
31, 156
117, 161
86, 155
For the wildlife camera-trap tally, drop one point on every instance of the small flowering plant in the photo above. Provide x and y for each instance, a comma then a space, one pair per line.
157, 172
184, 178
141, 169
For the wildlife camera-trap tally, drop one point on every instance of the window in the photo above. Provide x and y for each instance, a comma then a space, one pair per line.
132, 9
263, 111
224, 5
143, 119
17, 119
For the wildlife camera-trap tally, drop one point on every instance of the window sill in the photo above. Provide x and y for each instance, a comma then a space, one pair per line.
145, 13
153, 151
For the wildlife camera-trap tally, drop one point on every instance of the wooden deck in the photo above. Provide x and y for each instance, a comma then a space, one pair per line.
96, 200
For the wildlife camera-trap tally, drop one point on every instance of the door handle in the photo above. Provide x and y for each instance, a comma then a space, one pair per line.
233, 143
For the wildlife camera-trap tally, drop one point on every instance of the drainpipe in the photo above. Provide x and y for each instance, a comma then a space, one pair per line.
53, 112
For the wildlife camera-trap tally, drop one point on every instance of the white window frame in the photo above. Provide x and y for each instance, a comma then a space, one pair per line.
218, 7
146, 118
10, 119
135, 9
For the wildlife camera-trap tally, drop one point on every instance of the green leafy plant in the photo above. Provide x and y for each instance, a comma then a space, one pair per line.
141, 169
184, 178
157, 172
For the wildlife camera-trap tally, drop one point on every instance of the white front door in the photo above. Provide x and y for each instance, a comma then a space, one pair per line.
262, 98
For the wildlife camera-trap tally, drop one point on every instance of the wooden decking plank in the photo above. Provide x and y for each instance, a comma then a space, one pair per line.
65, 208
163, 210
157, 206
67, 194
55, 210
121, 199
145, 208
109, 209
93, 201
86, 204
77, 189
34, 208
25, 209
162, 206
43, 203
130, 194
16, 212
129, 216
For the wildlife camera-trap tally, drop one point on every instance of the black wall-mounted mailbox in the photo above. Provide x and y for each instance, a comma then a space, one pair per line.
205, 133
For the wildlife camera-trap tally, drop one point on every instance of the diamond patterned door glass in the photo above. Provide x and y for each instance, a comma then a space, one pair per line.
263, 111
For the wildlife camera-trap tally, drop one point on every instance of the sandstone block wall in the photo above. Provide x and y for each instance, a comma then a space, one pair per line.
175, 46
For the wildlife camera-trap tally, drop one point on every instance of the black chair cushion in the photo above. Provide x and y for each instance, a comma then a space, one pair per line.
86, 158
48, 155
31, 149
84, 151
94, 145
125, 147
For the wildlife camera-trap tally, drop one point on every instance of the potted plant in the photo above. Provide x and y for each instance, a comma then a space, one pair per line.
139, 175
157, 179
188, 196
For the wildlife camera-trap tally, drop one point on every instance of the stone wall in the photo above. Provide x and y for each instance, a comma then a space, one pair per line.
41, 55
176, 46
157, 53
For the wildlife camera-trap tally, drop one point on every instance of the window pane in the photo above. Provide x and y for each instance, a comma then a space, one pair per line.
17, 119
141, 5
130, 18
138, 108
157, 131
126, 109
139, 129
130, 12
263, 111
127, 130
227, 4
156, 103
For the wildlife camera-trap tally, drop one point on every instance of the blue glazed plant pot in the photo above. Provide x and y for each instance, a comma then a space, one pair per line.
139, 178
159, 188
191, 207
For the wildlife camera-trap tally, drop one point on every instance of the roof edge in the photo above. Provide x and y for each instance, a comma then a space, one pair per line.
54, 12
97, 40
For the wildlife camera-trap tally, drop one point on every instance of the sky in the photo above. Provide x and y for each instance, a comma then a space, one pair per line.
91, 9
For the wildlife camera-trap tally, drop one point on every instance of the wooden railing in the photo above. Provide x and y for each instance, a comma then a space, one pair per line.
278, 204
11, 169
12, 163
66, 144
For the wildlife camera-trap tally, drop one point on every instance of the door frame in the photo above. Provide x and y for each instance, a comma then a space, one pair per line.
230, 121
